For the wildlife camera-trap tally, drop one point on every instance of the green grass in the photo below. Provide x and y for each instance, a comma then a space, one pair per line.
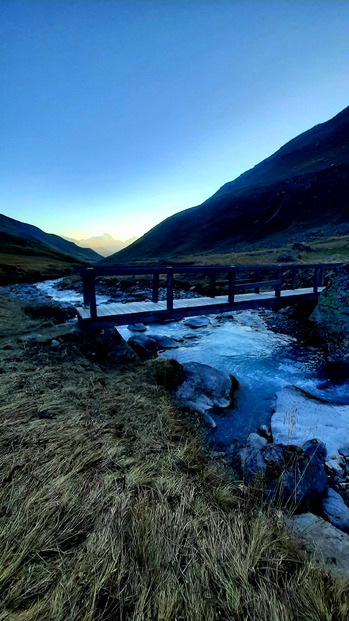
111, 509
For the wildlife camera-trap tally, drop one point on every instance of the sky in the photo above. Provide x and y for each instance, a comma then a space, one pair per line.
115, 114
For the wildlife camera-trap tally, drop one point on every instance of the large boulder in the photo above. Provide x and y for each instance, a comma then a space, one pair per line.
107, 345
202, 387
329, 545
290, 475
144, 346
300, 416
331, 316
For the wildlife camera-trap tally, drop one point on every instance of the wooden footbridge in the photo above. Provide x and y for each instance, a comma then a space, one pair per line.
246, 287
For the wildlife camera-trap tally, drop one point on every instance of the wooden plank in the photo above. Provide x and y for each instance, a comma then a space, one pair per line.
102, 312
84, 313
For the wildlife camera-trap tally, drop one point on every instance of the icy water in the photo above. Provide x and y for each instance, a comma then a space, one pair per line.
263, 361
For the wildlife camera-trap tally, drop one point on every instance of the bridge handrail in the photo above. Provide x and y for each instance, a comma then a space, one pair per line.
197, 269
90, 273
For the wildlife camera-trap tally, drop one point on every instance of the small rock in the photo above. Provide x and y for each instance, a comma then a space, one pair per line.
344, 451
333, 466
197, 322
33, 337
163, 342
336, 510
54, 343
226, 315
265, 432
137, 327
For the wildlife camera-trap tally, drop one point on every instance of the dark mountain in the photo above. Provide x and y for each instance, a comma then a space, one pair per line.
298, 193
50, 241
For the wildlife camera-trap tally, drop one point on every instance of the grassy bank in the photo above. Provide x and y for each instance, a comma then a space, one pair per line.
111, 509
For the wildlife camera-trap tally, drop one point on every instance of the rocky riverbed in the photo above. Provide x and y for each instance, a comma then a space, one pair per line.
263, 394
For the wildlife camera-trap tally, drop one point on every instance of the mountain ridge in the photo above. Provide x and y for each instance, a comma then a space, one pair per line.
23, 230
301, 189
105, 244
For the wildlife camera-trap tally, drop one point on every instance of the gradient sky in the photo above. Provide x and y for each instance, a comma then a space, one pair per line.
118, 113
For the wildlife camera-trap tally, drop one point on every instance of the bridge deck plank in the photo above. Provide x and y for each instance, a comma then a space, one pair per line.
188, 304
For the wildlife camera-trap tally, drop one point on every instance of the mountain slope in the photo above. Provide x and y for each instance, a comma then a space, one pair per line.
53, 242
27, 260
299, 192
105, 245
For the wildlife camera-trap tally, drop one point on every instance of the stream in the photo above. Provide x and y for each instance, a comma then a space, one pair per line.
262, 360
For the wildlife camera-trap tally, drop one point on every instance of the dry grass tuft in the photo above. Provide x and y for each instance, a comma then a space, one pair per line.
110, 508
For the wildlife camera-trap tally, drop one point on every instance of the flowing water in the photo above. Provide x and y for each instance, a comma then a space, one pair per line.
262, 360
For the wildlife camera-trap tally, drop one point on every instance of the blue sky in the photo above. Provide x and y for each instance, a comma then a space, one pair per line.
116, 114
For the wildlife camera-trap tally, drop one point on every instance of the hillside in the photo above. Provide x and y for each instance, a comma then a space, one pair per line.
299, 194
50, 241
27, 260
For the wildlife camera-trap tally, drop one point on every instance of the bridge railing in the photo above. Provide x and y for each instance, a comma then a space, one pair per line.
254, 280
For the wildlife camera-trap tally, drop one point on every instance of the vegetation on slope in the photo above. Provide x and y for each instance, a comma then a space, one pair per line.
110, 508
27, 260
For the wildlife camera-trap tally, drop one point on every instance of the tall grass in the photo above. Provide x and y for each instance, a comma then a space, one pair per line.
111, 509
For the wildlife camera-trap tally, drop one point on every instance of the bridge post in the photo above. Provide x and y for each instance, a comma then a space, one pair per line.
231, 288
278, 286
213, 285
89, 291
86, 289
322, 276
294, 270
316, 279
156, 279
258, 278
169, 291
